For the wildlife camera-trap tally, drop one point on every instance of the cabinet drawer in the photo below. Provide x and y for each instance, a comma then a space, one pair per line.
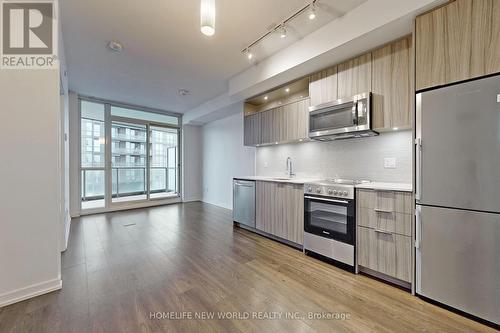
387, 253
385, 201
398, 223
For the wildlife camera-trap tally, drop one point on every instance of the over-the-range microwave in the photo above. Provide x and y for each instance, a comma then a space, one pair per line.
342, 119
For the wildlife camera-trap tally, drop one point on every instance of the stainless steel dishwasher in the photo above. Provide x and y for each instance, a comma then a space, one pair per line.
244, 202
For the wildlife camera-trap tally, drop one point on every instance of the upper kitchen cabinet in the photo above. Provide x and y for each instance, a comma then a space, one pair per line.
355, 76
392, 86
323, 86
456, 42
278, 116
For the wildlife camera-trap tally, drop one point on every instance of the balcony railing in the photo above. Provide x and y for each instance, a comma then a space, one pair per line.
129, 137
128, 151
132, 187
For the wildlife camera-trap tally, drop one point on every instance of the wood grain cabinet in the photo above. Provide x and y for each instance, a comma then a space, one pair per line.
323, 87
456, 42
355, 76
281, 124
384, 237
392, 86
280, 210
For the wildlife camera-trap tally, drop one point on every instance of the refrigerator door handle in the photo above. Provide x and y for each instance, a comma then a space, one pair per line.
418, 253
418, 185
418, 228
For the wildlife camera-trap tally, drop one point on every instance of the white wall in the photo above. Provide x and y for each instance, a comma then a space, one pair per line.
30, 260
225, 157
64, 143
355, 159
192, 163
74, 160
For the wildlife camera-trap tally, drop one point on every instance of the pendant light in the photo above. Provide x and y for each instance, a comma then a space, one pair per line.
207, 15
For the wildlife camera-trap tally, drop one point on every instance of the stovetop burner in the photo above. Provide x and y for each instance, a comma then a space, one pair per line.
339, 188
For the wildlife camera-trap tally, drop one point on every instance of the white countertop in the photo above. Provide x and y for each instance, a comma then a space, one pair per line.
283, 179
403, 187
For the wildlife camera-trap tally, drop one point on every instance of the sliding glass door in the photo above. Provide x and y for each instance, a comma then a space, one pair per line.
92, 149
128, 161
164, 162
127, 156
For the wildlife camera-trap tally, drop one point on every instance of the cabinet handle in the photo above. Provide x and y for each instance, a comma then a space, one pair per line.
378, 210
385, 232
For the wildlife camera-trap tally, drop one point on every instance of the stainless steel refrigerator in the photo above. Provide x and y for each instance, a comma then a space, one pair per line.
458, 196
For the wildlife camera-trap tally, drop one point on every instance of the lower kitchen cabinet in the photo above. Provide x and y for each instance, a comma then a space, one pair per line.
384, 232
385, 252
280, 210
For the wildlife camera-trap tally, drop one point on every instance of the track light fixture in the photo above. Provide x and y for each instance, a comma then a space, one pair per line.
281, 29
312, 11
249, 54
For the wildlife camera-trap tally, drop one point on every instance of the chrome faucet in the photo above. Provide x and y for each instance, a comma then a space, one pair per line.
289, 167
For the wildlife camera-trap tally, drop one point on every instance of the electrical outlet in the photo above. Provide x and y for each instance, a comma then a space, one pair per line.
390, 163
266, 164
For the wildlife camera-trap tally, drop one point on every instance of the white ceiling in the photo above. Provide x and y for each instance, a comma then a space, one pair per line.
164, 50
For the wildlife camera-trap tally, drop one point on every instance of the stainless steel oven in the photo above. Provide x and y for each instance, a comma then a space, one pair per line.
330, 221
341, 119
330, 218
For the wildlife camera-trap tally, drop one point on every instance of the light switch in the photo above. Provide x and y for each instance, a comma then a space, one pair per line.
265, 164
498, 98
390, 163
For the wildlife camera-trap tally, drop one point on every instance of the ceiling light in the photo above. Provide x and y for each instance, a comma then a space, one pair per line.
287, 90
115, 46
249, 54
395, 128
265, 98
312, 11
207, 16
308, 8
283, 31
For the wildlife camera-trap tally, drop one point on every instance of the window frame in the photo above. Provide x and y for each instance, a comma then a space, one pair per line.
108, 119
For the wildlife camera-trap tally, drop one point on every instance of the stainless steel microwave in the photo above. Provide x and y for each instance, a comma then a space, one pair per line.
342, 119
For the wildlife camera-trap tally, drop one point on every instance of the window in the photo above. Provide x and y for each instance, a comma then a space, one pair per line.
143, 155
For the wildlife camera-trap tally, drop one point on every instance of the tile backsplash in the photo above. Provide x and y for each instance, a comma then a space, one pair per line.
384, 158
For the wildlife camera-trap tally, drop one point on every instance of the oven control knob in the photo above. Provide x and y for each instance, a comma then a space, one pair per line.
330, 191
318, 190
335, 192
309, 189
345, 193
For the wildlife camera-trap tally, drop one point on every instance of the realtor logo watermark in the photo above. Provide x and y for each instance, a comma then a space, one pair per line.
28, 34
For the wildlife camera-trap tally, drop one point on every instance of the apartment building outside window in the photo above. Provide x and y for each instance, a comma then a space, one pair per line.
139, 162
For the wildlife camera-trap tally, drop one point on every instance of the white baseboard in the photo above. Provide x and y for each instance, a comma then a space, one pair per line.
66, 233
217, 204
191, 199
31, 291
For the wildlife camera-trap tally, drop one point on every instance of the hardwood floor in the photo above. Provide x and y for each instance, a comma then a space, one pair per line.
121, 268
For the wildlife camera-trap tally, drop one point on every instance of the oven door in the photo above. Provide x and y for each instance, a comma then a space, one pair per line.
331, 218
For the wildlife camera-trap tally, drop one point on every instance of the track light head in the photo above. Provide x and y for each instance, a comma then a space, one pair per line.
283, 31
312, 11
249, 54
